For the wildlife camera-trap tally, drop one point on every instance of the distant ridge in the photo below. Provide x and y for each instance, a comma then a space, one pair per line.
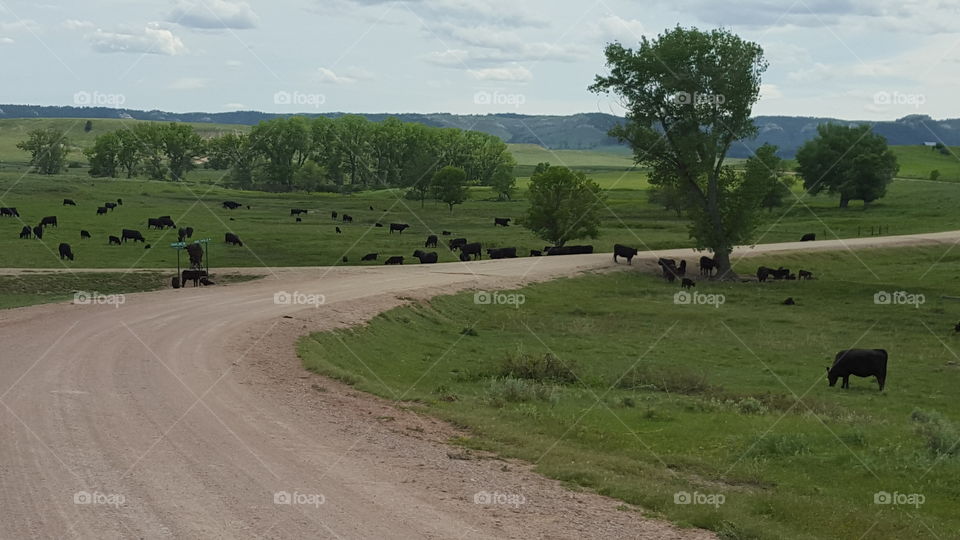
578, 131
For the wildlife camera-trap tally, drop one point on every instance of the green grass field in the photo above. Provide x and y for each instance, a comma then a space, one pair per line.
918, 161
648, 399
273, 238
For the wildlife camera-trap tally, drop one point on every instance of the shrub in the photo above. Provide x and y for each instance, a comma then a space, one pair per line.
940, 435
502, 390
545, 368
664, 379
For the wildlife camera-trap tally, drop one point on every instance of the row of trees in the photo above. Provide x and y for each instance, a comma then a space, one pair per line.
296, 153
286, 154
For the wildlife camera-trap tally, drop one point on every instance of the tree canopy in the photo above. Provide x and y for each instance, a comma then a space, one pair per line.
852, 162
689, 96
564, 205
48, 150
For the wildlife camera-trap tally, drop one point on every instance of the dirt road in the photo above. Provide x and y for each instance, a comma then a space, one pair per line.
186, 414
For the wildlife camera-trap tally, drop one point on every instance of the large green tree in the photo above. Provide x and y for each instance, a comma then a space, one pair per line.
285, 145
852, 162
450, 186
564, 205
181, 145
149, 140
689, 95
48, 150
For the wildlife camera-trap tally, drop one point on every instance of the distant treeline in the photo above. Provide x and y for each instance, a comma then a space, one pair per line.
310, 154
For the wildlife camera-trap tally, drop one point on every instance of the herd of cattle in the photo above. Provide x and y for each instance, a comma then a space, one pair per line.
66, 251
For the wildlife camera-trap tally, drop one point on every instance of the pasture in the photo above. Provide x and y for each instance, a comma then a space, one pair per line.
273, 238
657, 403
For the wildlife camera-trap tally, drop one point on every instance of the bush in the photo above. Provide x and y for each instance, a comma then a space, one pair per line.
779, 445
664, 380
940, 435
502, 390
545, 368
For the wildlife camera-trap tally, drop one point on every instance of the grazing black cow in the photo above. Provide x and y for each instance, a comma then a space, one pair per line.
166, 221
110, 206
707, 265
333, 215
763, 273
344, 259
791, 277
69, 202
472, 249
371, 208
502, 222
9, 211
231, 205
464, 257
102, 210
130, 234
789, 302
457, 243
687, 283
445, 233
299, 220
378, 224
426, 258
394, 260
400, 227
232, 239
120, 202
808, 237
339, 231
205, 281
535, 253
804, 274
781, 273
195, 254
626, 252
431, 241
297, 211
65, 252
49, 220
859, 362
148, 246
192, 275
84, 234
666, 262
570, 250
38, 232
682, 269
669, 273
114, 240
502, 253
189, 232
154, 223
369, 257
181, 234
25, 232
347, 218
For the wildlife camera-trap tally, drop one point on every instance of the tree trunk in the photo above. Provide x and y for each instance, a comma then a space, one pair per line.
844, 201
724, 270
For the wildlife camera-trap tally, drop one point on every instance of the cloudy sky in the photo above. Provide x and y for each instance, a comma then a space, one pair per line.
853, 59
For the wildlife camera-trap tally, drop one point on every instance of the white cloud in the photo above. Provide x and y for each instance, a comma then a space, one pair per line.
6, 41
214, 14
327, 76
189, 83
504, 74
616, 28
351, 75
74, 24
770, 91
151, 40
449, 57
